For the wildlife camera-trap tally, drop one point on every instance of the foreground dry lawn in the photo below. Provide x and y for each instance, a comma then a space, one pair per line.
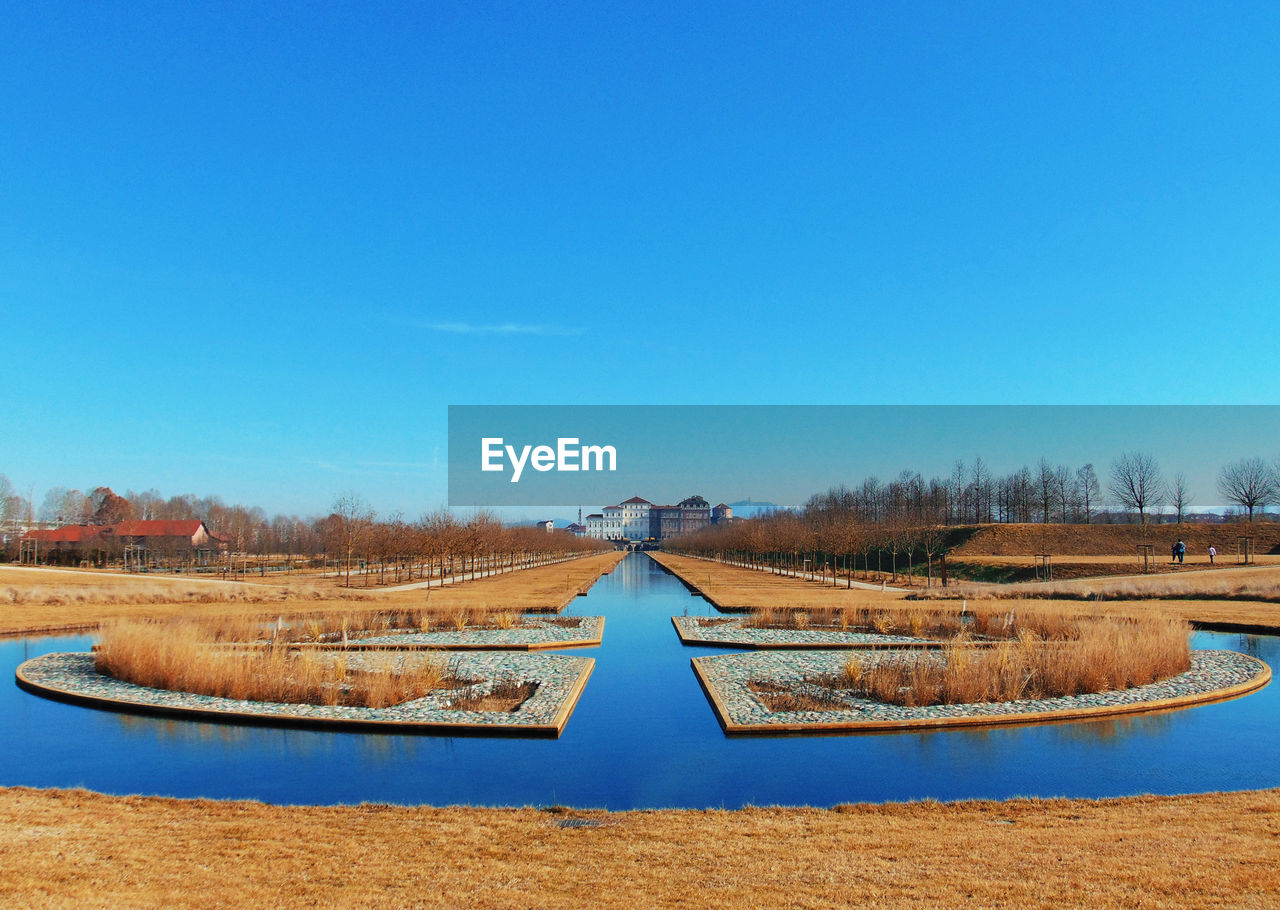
736, 587
55, 600
73, 848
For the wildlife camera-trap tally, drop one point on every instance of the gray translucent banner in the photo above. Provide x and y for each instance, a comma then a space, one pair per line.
596, 455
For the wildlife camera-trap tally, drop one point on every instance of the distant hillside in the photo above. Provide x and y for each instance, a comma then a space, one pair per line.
1113, 540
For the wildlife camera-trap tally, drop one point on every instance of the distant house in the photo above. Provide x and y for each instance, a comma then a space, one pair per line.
153, 538
548, 525
156, 534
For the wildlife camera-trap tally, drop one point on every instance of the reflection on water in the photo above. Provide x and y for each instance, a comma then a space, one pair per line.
1116, 728
1250, 644
642, 735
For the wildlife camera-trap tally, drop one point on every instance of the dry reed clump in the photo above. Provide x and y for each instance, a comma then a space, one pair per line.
805, 697
331, 627
564, 622
1104, 654
180, 656
920, 622
505, 695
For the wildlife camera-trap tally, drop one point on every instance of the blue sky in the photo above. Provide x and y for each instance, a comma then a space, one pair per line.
257, 249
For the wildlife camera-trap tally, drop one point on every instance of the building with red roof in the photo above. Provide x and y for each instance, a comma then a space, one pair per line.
72, 543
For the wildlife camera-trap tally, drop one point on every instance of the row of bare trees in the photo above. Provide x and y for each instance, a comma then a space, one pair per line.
438, 544
909, 520
351, 536
825, 541
1049, 493
972, 494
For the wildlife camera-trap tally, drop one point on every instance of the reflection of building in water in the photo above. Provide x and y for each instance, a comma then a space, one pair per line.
638, 519
632, 573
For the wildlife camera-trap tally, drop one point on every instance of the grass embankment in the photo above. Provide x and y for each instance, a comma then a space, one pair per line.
63, 848
1113, 540
59, 600
736, 589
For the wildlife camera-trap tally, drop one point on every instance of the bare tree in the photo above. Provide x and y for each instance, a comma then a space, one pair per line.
1249, 483
981, 487
354, 521
1066, 491
1136, 482
1179, 495
1046, 489
1090, 491
8, 498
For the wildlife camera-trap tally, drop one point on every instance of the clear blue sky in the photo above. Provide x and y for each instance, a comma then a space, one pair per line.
257, 249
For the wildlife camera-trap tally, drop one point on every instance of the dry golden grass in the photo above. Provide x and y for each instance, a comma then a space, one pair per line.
62, 587
74, 848
1250, 584
181, 657
544, 588
1095, 655
734, 588
1206, 612
747, 589
503, 695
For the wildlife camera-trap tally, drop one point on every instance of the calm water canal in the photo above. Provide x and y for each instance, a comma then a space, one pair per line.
642, 736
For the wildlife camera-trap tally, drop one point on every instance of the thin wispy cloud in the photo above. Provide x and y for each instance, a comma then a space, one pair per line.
377, 467
502, 328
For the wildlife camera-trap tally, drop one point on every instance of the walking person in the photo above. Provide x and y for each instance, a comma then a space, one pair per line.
1181, 551
1213, 551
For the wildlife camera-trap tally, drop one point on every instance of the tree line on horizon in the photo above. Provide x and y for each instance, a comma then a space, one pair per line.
351, 530
973, 494
910, 517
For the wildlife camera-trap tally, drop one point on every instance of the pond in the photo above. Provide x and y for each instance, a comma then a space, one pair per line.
642, 736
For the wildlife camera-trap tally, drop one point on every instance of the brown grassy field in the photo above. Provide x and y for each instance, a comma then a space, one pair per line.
1203, 612
731, 587
35, 602
1006, 569
1129, 561
1260, 583
750, 589
63, 848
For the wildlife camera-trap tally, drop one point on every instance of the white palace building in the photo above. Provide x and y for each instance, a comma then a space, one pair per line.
638, 519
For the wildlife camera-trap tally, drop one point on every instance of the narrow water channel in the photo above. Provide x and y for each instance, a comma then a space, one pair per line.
643, 736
